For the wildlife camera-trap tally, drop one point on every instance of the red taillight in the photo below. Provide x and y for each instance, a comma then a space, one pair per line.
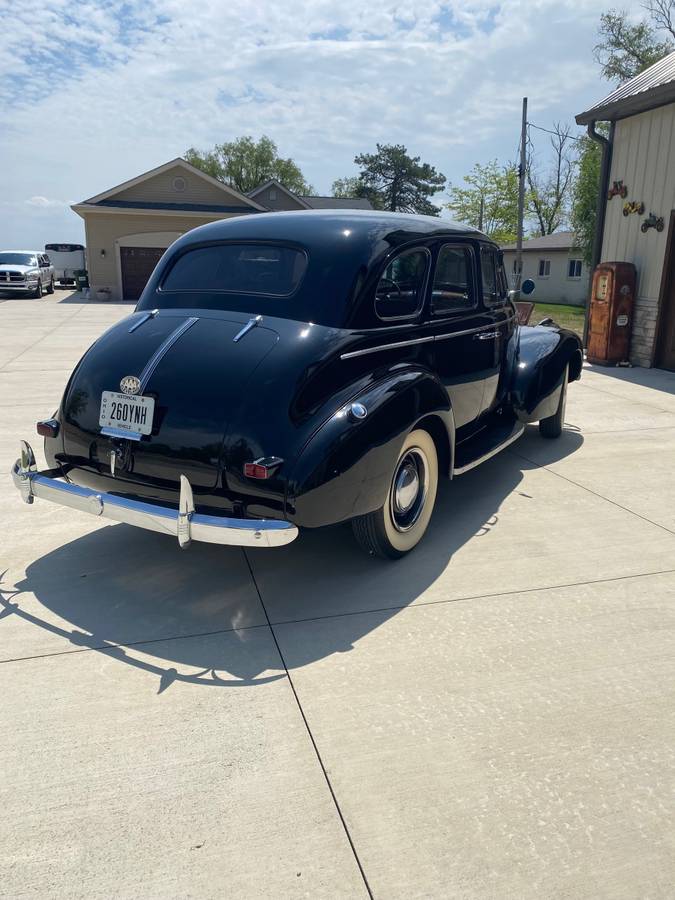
253, 470
262, 468
48, 428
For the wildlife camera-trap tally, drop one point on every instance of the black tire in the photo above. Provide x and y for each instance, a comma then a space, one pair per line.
50, 289
552, 427
394, 530
38, 290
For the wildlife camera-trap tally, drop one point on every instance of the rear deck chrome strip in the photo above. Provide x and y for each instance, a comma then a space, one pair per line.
143, 319
163, 349
256, 320
515, 434
424, 340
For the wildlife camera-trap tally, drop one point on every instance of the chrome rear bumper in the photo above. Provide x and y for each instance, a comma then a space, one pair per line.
183, 523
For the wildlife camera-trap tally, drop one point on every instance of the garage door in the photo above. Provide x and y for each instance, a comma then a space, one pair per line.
137, 265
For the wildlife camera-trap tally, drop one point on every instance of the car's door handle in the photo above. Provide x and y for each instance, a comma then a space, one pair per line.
486, 335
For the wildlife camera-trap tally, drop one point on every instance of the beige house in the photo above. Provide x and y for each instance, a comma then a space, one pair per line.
555, 265
640, 154
130, 226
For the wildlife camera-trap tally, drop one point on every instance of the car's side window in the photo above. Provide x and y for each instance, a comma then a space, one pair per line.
452, 289
493, 278
400, 290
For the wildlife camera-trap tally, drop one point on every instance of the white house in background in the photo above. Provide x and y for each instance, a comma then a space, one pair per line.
556, 267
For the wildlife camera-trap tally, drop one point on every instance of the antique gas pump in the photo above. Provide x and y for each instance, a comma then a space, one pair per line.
611, 313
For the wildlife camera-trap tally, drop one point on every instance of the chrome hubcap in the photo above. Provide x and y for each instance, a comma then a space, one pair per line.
409, 489
407, 486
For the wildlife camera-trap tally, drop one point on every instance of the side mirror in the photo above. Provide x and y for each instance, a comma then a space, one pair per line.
527, 286
514, 296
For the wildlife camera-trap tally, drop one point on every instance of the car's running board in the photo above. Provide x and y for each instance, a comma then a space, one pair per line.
467, 465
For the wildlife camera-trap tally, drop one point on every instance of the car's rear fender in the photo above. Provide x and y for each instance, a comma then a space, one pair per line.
543, 356
345, 467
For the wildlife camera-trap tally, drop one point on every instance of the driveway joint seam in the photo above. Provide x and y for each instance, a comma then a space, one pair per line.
341, 615
120, 645
591, 491
309, 731
41, 338
627, 399
419, 606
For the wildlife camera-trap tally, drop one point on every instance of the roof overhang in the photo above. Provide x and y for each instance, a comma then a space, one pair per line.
85, 209
181, 164
629, 106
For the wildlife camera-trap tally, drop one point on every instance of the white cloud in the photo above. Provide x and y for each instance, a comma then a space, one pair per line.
46, 202
123, 86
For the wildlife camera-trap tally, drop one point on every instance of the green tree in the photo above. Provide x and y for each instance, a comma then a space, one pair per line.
348, 187
625, 49
585, 194
395, 181
488, 199
245, 164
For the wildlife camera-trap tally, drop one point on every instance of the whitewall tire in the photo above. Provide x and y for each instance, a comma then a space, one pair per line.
396, 528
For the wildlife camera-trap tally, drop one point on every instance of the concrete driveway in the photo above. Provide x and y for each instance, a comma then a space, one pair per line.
493, 716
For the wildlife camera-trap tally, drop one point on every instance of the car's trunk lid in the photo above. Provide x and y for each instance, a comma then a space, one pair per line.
196, 373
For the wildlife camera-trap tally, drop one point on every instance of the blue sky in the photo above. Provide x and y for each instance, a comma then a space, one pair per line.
94, 93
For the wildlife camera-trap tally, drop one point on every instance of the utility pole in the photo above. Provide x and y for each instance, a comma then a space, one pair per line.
521, 196
481, 213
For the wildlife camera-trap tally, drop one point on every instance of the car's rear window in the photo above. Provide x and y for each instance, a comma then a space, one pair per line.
269, 270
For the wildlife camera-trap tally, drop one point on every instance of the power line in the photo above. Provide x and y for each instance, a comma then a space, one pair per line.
555, 133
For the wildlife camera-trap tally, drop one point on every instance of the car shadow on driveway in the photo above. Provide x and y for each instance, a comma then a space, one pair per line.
137, 597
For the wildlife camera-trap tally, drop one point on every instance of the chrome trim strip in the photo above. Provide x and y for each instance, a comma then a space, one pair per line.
144, 318
121, 433
515, 434
182, 524
163, 349
423, 340
353, 353
447, 337
256, 320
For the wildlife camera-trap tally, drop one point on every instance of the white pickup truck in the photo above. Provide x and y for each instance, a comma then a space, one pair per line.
26, 272
68, 260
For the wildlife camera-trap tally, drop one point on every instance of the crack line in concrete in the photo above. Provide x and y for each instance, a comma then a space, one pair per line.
309, 731
340, 615
591, 491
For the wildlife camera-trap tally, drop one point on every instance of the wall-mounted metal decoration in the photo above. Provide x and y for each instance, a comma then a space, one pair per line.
633, 207
652, 221
617, 188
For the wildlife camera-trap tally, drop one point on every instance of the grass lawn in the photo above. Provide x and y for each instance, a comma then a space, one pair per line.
571, 317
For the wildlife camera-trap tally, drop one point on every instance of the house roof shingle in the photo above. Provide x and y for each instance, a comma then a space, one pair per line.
651, 88
559, 240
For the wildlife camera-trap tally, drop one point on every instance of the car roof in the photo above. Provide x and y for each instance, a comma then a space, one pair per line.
320, 227
346, 248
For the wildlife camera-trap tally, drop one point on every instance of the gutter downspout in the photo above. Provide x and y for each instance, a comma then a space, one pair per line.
607, 144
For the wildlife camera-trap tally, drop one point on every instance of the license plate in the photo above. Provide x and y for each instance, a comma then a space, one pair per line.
127, 412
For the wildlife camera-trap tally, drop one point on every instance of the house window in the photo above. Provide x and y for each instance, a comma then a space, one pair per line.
544, 268
574, 268
273, 194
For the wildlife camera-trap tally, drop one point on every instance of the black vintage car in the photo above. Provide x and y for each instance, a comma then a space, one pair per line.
293, 370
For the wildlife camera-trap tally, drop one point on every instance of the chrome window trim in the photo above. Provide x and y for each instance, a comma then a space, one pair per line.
427, 339
468, 249
423, 289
